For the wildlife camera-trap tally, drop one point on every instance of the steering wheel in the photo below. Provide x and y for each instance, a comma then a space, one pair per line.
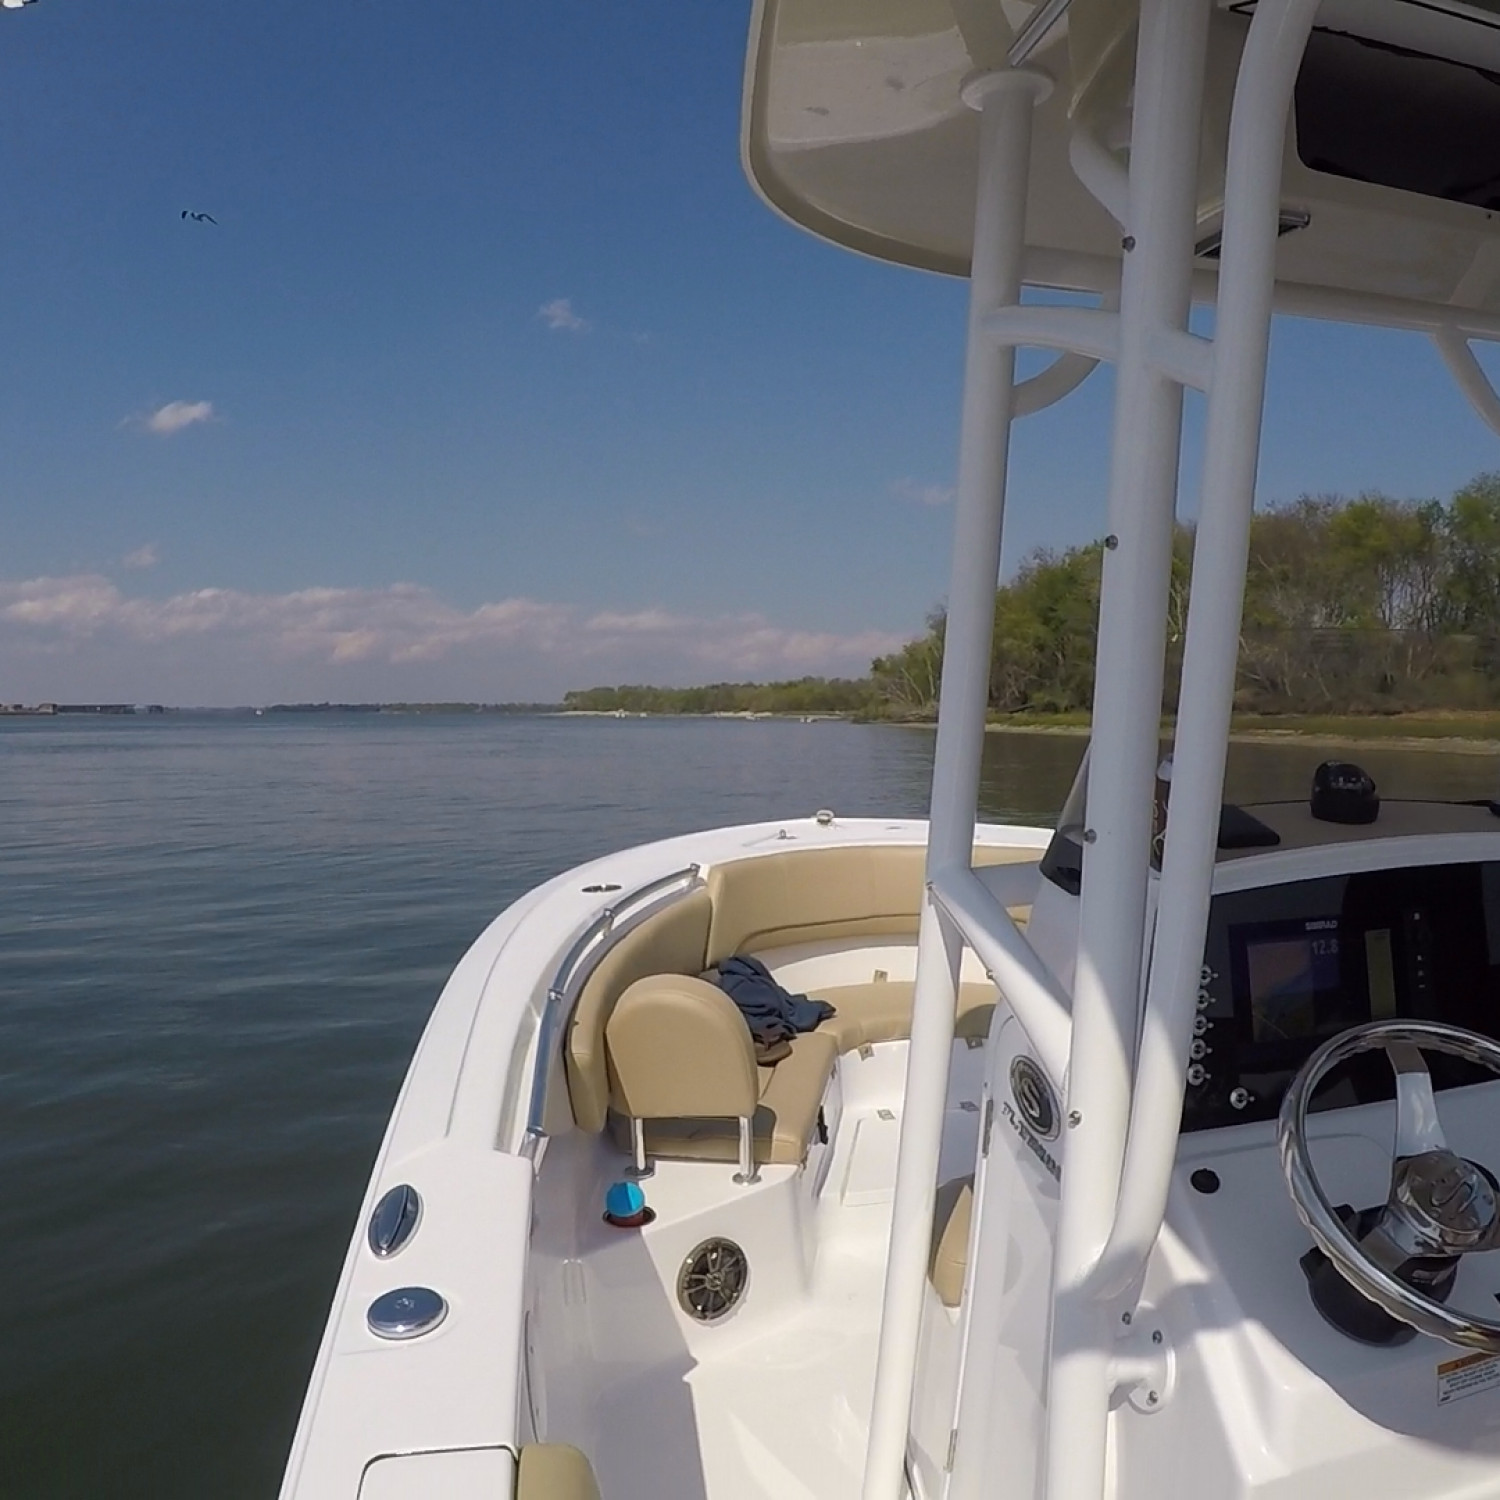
1439, 1205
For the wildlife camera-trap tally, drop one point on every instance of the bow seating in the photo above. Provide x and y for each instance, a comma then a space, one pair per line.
654, 1048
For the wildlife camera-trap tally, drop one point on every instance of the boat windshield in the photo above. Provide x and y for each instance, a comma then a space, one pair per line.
1062, 864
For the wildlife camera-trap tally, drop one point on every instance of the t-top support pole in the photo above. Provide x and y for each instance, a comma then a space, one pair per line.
1005, 101
1247, 288
1155, 295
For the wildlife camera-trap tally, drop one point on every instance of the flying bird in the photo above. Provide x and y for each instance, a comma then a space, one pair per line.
199, 218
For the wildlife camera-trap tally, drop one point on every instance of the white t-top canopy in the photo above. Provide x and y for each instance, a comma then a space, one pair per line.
855, 128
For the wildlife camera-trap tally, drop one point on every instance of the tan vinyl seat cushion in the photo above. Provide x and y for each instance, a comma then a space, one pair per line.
678, 1046
670, 942
785, 1119
881, 1012
953, 1211
814, 894
554, 1471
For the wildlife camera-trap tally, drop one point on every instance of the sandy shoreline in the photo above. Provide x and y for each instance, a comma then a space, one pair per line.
1444, 734
1453, 744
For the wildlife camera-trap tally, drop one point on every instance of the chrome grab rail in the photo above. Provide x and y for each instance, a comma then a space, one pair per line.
1036, 30
577, 965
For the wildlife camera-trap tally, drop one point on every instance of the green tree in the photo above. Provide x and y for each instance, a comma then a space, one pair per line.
907, 681
1473, 534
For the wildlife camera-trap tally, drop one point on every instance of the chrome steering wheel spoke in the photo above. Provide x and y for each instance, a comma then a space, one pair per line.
1418, 1129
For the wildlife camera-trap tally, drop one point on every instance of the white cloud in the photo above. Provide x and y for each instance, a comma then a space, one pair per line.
558, 314
143, 557
216, 645
176, 415
923, 494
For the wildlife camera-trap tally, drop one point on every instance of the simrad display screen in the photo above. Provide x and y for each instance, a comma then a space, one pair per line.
1293, 977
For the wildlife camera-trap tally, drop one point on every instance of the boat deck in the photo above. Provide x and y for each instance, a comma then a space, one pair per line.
772, 1403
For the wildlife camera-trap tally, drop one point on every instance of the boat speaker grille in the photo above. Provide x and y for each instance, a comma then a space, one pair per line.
713, 1280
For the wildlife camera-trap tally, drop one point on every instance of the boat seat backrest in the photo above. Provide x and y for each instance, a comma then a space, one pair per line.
948, 1261
678, 1047
821, 895
671, 941
814, 895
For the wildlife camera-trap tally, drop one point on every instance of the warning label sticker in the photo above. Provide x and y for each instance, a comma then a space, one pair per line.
1467, 1376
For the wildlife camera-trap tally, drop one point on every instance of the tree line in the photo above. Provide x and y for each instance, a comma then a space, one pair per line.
804, 695
1352, 605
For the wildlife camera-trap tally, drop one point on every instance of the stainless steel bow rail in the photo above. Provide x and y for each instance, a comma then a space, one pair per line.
580, 961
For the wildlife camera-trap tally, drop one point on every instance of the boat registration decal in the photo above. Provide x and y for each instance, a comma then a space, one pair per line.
1467, 1375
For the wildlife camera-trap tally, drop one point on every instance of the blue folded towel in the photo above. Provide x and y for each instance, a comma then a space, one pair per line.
772, 1013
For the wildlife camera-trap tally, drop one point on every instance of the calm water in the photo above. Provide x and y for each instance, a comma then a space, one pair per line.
219, 940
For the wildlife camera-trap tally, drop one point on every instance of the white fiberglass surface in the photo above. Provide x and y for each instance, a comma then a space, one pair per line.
773, 1401
1268, 1398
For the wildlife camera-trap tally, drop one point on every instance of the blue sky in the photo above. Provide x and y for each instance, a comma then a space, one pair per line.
333, 446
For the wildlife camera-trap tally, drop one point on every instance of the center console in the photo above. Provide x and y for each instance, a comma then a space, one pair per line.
1287, 966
